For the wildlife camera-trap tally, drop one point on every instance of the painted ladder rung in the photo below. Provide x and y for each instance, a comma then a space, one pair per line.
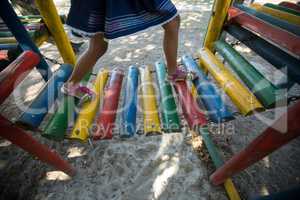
283, 38
277, 57
282, 8
40, 106
210, 97
293, 19
263, 89
107, 116
267, 18
241, 96
89, 110
65, 117
130, 103
150, 111
168, 108
290, 5
191, 110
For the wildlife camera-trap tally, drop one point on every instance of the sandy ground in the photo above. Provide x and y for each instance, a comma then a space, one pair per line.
158, 167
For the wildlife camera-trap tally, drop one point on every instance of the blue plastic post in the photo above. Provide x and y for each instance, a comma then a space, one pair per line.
34, 115
130, 103
14, 24
217, 110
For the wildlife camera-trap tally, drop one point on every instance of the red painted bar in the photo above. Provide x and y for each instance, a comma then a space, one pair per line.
20, 138
269, 141
279, 36
290, 5
107, 116
191, 110
13, 74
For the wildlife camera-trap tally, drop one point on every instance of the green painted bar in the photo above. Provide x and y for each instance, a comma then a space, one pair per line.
211, 147
282, 8
264, 90
170, 118
9, 34
57, 127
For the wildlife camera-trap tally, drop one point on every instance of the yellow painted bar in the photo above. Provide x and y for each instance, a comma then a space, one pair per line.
240, 95
293, 19
150, 111
8, 40
216, 22
231, 190
53, 22
193, 89
89, 109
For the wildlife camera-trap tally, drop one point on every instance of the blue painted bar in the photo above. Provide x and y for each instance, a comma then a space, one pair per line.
34, 115
130, 103
8, 46
270, 19
277, 57
14, 24
211, 98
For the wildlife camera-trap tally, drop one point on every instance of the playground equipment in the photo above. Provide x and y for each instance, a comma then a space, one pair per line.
274, 37
272, 31
14, 73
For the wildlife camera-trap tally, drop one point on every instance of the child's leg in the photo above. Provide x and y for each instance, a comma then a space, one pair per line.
171, 43
97, 48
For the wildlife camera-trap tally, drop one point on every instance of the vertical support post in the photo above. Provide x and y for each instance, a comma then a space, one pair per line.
269, 141
216, 22
55, 26
12, 21
20, 138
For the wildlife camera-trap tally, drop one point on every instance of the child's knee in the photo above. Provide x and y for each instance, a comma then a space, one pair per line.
173, 25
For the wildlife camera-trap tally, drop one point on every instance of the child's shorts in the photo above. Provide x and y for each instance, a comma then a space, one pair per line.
116, 18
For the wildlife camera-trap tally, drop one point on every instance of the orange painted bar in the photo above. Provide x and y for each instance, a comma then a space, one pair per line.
278, 36
269, 141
